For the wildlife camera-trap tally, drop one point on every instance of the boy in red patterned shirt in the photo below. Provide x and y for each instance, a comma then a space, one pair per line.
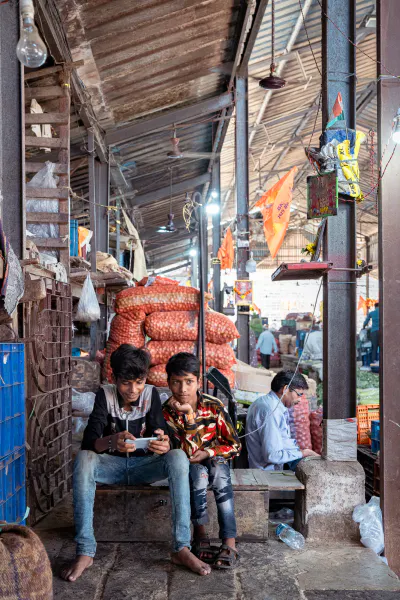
199, 425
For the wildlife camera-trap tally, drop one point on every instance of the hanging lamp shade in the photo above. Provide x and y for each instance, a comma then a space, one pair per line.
272, 82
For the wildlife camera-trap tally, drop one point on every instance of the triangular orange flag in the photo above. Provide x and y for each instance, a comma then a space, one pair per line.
226, 253
362, 305
275, 209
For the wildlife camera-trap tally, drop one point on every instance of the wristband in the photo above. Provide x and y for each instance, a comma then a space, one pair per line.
110, 449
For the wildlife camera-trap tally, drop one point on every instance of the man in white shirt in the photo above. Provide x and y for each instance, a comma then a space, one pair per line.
268, 439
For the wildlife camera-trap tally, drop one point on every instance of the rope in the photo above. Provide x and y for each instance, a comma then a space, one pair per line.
273, 67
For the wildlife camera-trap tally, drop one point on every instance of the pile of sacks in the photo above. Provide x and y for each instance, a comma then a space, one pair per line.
287, 343
168, 314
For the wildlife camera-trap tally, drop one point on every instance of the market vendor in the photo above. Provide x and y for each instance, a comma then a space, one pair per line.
373, 316
201, 427
313, 345
269, 444
129, 410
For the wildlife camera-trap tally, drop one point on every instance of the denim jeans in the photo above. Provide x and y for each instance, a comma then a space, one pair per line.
215, 473
91, 468
293, 464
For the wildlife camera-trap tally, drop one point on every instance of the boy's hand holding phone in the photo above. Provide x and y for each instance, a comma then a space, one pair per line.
161, 446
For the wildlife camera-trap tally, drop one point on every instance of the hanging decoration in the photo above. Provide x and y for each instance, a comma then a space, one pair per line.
366, 305
272, 82
322, 195
226, 253
337, 111
275, 209
243, 290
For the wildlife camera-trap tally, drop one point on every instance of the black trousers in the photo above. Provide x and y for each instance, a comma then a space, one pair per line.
375, 344
265, 360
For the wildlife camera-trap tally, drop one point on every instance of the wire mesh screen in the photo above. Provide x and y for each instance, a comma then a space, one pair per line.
48, 335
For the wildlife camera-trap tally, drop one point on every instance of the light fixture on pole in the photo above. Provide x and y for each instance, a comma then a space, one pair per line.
214, 194
212, 208
192, 252
396, 128
251, 265
31, 49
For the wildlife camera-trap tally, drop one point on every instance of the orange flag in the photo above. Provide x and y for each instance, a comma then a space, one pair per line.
362, 305
226, 253
275, 209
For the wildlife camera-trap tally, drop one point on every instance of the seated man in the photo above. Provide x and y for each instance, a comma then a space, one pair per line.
129, 410
200, 426
268, 439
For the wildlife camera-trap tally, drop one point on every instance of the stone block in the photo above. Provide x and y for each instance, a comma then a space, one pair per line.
131, 514
332, 490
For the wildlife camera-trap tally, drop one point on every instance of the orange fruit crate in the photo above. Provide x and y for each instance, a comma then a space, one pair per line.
366, 414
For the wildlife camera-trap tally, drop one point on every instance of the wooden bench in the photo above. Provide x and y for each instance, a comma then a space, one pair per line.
142, 513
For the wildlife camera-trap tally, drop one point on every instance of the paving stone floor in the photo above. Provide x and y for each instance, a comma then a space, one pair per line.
267, 571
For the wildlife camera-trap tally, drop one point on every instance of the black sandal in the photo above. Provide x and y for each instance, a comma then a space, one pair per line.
229, 561
203, 546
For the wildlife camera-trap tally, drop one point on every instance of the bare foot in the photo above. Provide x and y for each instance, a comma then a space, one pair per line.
186, 559
75, 570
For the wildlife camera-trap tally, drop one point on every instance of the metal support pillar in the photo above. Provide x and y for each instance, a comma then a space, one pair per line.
92, 200
338, 57
389, 278
203, 289
242, 204
12, 170
118, 231
102, 194
216, 236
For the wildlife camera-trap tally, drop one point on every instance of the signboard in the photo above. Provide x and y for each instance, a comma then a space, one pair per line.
322, 195
243, 292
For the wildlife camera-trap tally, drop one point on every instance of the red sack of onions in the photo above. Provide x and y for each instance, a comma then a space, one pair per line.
157, 298
128, 329
158, 376
220, 356
316, 430
301, 414
184, 325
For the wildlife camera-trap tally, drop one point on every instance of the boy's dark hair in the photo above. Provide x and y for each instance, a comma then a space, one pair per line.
182, 363
130, 363
297, 382
376, 304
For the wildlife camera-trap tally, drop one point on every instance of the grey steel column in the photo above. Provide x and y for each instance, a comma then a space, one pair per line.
389, 277
340, 238
12, 170
242, 203
102, 194
216, 236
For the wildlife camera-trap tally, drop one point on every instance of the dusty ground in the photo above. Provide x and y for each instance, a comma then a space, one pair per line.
267, 571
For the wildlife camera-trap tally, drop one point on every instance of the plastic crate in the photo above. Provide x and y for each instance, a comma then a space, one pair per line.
365, 415
12, 487
375, 436
12, 398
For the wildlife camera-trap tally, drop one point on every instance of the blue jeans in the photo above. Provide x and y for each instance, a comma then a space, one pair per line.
91, 468
216, 473
293, 464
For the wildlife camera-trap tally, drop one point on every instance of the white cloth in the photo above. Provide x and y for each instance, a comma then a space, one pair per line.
313, 347
139, 263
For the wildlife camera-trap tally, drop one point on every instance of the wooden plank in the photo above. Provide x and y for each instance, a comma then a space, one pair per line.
50, 70
35, 167
47, 193
43, 142
64, 107
283, 480
46, 217
50, 242
245, 477
43, 93
52, 118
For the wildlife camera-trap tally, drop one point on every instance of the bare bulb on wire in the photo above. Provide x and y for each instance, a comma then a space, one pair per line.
31, 49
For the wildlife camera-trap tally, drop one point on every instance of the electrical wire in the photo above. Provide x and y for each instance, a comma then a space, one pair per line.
308, 39
295, 371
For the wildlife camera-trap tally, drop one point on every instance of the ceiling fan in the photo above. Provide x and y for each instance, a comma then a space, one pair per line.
177, 154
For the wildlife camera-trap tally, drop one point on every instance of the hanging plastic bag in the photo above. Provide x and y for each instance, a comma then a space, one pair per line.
46, 179
88, 307
371, 527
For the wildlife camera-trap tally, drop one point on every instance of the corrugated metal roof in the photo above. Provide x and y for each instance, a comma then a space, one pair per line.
294, 110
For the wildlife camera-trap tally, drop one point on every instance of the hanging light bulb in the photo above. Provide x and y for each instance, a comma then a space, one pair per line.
251, 265
396, 128
31, 49
214, 194
192, 252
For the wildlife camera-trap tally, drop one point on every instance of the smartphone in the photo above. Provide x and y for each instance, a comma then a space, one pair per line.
141, 443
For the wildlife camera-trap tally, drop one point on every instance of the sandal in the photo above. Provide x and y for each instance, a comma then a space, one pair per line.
229, 561
203, 546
